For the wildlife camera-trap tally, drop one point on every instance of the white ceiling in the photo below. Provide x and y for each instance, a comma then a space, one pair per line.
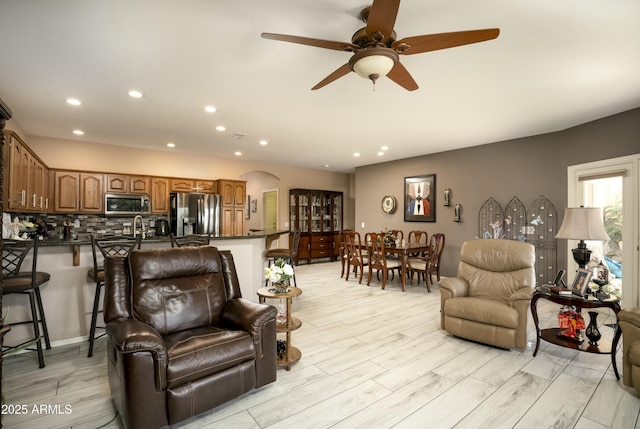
556, 64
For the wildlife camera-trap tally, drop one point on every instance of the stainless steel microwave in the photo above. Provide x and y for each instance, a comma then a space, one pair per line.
125, 204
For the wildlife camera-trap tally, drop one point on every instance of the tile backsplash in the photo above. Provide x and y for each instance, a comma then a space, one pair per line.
91, 224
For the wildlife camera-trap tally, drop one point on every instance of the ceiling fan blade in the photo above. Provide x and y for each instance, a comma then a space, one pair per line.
400, 75
434, 42
343, 70
382, 17
327, 44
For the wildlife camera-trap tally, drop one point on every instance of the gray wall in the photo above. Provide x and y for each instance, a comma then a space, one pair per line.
526, 168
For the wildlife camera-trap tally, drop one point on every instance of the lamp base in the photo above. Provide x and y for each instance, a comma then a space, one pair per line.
581, 254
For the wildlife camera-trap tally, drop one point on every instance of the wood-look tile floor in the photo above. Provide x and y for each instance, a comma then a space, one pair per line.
370, 359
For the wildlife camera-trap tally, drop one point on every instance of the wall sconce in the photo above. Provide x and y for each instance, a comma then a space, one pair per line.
456, 212
447, 197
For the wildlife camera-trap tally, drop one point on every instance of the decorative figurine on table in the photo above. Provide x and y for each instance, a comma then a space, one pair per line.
572, 321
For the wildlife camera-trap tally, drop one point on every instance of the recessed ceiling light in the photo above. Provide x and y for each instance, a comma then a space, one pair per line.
220, 128
209, 109
326, 165
264, 142
78, 132
238, 153
384, 148
171, 145
380, 153
135, 94
356, 154
74, 101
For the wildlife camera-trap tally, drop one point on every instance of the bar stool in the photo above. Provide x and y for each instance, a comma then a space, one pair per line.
14, 253
109, 246
192, 240
290, 255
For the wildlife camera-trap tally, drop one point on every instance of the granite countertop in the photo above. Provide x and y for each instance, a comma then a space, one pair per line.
85, 239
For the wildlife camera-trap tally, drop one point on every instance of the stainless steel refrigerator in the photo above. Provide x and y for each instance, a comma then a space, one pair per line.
195, 213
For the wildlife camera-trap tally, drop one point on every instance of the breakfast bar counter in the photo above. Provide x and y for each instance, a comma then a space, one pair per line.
68, 296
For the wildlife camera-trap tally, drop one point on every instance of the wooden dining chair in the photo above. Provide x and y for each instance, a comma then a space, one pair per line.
436, 247
417, 261
344, 254
356, 257
378, 258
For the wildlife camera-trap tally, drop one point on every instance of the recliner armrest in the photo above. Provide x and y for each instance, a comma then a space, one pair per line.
455, 286
525, 293
631, 316
248, 316
133, 336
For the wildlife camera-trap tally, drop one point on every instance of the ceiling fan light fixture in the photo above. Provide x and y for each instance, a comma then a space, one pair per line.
371, 63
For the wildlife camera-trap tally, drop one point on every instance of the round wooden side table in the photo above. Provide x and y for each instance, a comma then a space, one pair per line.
286, 326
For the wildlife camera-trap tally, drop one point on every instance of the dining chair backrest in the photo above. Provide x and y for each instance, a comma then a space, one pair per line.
295, 243
419, 237
14, 252
193, 240
398, 234
354, 246
375, 242
436, 246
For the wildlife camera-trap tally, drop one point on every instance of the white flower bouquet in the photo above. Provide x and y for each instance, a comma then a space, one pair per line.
279, 273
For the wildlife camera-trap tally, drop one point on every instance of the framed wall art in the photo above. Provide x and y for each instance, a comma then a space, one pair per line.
420, 198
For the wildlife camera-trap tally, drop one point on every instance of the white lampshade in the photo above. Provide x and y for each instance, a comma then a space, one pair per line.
373, 62
582, 223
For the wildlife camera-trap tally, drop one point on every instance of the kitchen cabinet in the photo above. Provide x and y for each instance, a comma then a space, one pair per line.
25, 177
78, 192
159, 195
233, 195
126, 184
319, 216
193, 185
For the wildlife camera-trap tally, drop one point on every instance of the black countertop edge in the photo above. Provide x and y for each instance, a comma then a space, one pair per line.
85, 239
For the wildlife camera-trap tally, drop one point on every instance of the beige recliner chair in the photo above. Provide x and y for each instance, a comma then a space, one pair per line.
489, 299
629, 321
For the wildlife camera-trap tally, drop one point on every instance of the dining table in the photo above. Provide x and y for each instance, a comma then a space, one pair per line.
403, 253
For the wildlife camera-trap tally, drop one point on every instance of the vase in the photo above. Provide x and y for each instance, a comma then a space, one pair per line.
281, 287
592, 332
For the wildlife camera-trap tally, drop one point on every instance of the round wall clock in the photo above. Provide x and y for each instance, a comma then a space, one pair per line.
389, 204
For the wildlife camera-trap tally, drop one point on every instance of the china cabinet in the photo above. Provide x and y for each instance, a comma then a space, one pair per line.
319, 215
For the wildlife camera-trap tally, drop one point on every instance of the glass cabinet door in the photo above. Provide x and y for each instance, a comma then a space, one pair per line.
326, 213
303, 211
316, 212
293, 211
337, 213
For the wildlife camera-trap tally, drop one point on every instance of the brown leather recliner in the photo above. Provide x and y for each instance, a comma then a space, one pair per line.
181, 340
629, 323
489, 299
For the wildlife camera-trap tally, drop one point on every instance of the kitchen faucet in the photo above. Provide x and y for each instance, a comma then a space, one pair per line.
142, 230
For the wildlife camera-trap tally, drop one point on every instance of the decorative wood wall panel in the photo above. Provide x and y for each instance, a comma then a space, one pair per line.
536, 225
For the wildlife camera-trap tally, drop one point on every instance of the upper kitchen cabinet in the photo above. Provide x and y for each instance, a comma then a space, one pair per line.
25, 177
234, 195
126, 184
159, 195
193, 185
76, 192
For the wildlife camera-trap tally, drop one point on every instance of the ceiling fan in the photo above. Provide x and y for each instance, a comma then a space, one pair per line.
376, 50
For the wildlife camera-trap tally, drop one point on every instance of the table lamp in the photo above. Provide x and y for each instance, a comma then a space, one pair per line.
582, 223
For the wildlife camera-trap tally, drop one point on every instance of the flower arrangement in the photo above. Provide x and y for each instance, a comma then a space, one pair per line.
279, 273
389, 238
